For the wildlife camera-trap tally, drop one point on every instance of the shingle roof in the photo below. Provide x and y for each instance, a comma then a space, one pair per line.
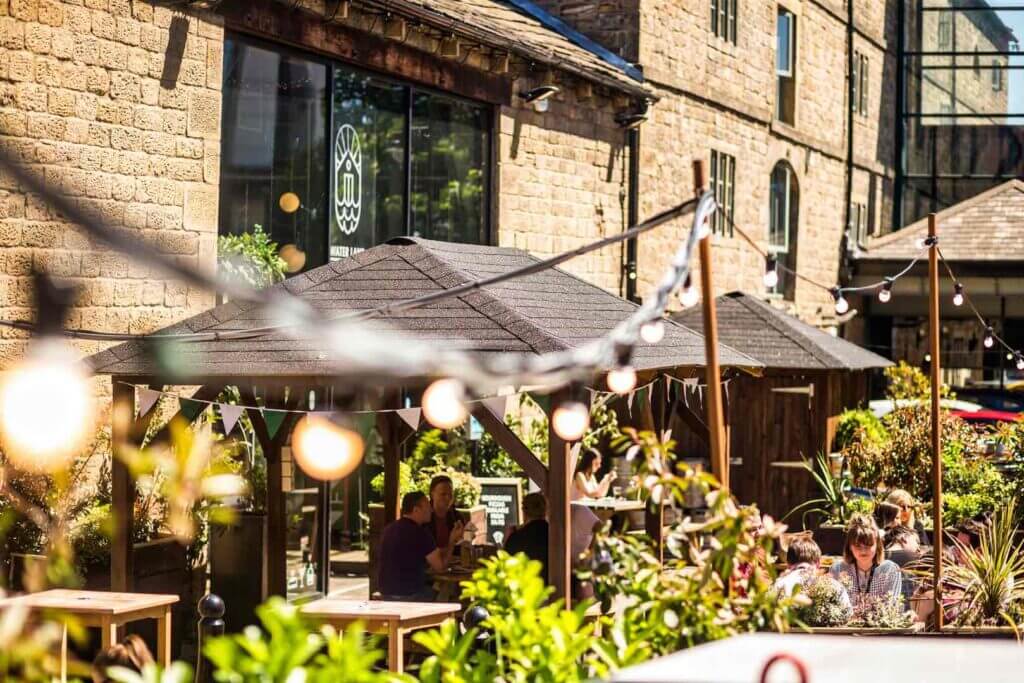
986, 227
547, 311
513, 29
779, 340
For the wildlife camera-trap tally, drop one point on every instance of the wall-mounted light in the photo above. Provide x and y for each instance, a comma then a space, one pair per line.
634, 118
540, 97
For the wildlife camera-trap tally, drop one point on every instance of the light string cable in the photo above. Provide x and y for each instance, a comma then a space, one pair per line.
359, 350
990, 332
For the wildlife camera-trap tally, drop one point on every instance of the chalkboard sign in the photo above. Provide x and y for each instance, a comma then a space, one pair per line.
504, 501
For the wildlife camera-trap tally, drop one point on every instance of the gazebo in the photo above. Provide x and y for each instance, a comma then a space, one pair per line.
547, 311
791, 411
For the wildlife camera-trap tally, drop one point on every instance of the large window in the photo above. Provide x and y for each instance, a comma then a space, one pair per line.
331, 160
785, 67
784, 207
723, 182
963, 102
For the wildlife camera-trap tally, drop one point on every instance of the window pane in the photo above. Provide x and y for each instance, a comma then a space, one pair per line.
368, 150
449, 169
273, 142
784, 56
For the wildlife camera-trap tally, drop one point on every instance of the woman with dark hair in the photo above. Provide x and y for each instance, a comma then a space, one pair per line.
887, 516
864, 571
131, 653
586, 484
445, 521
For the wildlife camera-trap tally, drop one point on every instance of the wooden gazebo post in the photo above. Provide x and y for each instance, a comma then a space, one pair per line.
716, 416
933, 342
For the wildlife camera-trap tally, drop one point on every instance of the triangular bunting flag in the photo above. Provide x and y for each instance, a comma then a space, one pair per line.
644, 394
229, 415
629, 401
411, 417
273, 419
147, 399
497, 405
365, 423
190, 409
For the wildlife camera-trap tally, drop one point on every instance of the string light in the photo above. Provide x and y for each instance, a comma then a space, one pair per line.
958, 296
571, 420
444, 404
989, 340
689, 297
771, 273
1020, 361
324, 449
885, 293
704, 231
652, 332
842, 305
622, 380
47, 411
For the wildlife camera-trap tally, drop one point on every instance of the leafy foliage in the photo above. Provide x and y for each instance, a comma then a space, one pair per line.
827, 604
859, 426
882, 613
466, 487
909, 383
832, 504
250, 258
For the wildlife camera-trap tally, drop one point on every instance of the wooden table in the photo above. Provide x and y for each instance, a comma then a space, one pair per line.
449, 583
605, 508
105, 610
393, 619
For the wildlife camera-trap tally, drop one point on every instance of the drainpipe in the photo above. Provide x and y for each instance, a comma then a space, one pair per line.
849, 115
632, 211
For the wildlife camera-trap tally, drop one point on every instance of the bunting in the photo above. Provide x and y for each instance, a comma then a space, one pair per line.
273, 419
190, 409
497, 405
411, 417
147, 399
229, 415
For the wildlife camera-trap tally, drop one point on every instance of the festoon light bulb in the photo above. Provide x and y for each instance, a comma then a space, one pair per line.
885, 293
653, 331
324, 449
771, 273
47, 411
842, 305
570, 420
1020, 361
990, 339
444, 404
958, 294
689, 296
622, 380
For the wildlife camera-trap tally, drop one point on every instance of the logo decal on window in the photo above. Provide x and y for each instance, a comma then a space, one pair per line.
348, 178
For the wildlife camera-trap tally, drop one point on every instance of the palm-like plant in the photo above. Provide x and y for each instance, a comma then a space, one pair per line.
833, 487
991, 576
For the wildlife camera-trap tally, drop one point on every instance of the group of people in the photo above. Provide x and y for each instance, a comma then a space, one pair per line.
429, 530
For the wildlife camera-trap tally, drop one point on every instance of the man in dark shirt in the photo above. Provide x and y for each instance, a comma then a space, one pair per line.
532, 537
406, 549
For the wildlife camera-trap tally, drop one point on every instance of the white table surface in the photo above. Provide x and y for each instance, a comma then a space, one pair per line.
838, 659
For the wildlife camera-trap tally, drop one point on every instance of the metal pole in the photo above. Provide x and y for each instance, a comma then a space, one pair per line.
211, 625
933, 338
716, 416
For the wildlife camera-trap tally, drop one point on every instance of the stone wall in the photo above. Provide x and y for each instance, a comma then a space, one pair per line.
115, 104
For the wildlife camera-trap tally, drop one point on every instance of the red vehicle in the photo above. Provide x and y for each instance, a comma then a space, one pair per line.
986, 417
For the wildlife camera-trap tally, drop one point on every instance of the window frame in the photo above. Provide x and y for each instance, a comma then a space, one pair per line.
723, 183
790, 71
724, 19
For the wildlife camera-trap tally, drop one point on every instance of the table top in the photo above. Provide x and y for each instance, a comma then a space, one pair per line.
617, 504
380, 609
836, 659
93, 602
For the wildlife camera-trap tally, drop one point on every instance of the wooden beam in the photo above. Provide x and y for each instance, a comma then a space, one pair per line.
716, 419
508, 440
559, 513
654, 513
391, 445
122, 487
933, 340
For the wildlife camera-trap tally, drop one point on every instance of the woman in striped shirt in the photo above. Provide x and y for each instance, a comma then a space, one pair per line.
865, 573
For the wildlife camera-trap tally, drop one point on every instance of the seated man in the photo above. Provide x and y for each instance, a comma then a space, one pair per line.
803, 558
407, 549
531, 537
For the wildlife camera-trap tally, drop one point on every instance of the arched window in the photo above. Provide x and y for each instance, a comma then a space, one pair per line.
782, 225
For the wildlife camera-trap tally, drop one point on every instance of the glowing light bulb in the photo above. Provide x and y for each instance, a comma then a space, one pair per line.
324, 449
444, 404
1020, 362
689, 297
885, 293
653, 331
47, 411
622, 380
958, 296
771, 274
990, 339
570, 420
921, 243
842, 305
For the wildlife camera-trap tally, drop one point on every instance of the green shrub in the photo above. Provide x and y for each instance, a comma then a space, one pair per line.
826, 606
250, 258
859, 425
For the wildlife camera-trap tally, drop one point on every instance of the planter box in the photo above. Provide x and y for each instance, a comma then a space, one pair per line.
830, 538
864, 630
476, 514
238, 567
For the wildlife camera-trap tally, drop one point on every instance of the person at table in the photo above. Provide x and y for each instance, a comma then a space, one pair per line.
864, 571
531, 537
907, 506
887, 517
131, 653
803, 557
586, 484
407, 549
903, 547
445, 523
